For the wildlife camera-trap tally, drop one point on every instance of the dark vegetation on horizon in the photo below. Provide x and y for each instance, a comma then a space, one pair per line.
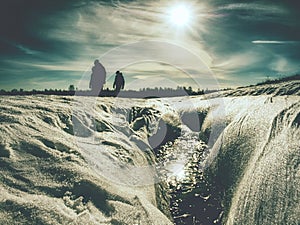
155, 92
142, 93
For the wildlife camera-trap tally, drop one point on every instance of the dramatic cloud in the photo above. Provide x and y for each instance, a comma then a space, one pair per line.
54, 43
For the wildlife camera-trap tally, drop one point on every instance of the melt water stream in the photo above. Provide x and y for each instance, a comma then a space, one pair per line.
195, 198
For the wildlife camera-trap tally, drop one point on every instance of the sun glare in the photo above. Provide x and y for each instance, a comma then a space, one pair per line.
180, 15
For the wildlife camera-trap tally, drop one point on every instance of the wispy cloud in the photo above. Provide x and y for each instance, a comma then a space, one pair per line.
228, 41
274, 42
27, 50
41, 66
255, 7
238, 61
281, 65
255, 11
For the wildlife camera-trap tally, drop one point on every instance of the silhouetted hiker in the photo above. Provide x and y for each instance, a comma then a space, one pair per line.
119, 82
98, 78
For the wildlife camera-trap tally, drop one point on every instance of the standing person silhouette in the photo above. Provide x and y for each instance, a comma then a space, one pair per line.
119, 82
98, 78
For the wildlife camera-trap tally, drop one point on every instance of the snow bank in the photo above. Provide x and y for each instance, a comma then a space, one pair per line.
53, 155
255, 160
85, 160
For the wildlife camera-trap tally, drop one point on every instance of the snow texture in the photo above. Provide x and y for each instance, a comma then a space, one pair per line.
87, 160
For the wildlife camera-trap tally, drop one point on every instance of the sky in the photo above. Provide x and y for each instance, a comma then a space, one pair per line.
164, 43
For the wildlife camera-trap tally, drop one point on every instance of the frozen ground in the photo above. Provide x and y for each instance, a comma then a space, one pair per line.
85, 160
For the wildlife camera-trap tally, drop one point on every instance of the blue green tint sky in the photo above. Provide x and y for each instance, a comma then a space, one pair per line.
51, 44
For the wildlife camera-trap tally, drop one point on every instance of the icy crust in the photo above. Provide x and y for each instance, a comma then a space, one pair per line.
48, 178
84, 160
255, 160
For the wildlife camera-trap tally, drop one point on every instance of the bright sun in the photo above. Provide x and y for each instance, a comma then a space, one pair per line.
180, 15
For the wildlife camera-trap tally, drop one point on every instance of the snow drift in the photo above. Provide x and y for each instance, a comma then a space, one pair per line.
86, 160
48, 178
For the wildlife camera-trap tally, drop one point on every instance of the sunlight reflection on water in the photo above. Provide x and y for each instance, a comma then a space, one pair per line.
193, 199
176, 170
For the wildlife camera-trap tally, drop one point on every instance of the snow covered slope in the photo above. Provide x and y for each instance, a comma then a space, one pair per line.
276, 89
47, 148
86, 160
255, 160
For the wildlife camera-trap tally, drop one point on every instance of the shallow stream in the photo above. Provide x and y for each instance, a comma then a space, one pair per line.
195, 199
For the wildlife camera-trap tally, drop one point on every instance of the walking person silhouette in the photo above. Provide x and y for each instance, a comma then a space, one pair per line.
98, 78
119, 82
